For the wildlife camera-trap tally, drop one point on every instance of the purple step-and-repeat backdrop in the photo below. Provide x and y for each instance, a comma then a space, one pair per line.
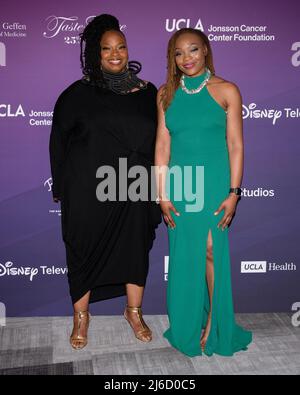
256, 44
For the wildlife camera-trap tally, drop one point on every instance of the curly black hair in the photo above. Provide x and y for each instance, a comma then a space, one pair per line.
91, 36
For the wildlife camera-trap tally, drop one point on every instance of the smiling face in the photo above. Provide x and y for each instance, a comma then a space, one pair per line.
190, 52
114, 53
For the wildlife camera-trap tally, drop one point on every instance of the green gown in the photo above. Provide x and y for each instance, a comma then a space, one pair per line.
197, 126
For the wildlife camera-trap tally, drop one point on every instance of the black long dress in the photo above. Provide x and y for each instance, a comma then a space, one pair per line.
107, 243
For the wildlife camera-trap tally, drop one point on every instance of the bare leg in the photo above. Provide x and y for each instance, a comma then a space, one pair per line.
134, 295
81, 306
134, 299
210, 278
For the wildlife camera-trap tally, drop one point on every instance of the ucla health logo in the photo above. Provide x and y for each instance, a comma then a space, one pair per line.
262, 267
296, 54
2, 55
177, 24
254, 267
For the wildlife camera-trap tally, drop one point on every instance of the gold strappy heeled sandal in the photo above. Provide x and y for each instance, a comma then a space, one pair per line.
145, 334
78, 342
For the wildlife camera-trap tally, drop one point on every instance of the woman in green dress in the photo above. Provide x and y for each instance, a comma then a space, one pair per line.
200, 135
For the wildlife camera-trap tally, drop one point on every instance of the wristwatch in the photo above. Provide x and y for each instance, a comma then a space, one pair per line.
237, 191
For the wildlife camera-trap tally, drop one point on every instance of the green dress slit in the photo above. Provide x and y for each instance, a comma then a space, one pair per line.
197, 126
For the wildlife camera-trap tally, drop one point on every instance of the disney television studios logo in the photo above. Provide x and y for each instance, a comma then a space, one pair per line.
7, 269
253, 112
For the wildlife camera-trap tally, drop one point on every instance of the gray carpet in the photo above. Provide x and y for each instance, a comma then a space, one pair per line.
39, 346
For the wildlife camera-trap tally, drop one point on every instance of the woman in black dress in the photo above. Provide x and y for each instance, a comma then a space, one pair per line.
107, 115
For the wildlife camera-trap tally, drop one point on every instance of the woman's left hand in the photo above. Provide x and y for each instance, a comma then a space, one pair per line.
229, 206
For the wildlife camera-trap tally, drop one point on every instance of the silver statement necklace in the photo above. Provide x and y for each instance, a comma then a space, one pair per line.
200, 87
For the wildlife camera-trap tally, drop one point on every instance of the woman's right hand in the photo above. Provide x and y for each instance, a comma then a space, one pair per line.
166, 208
